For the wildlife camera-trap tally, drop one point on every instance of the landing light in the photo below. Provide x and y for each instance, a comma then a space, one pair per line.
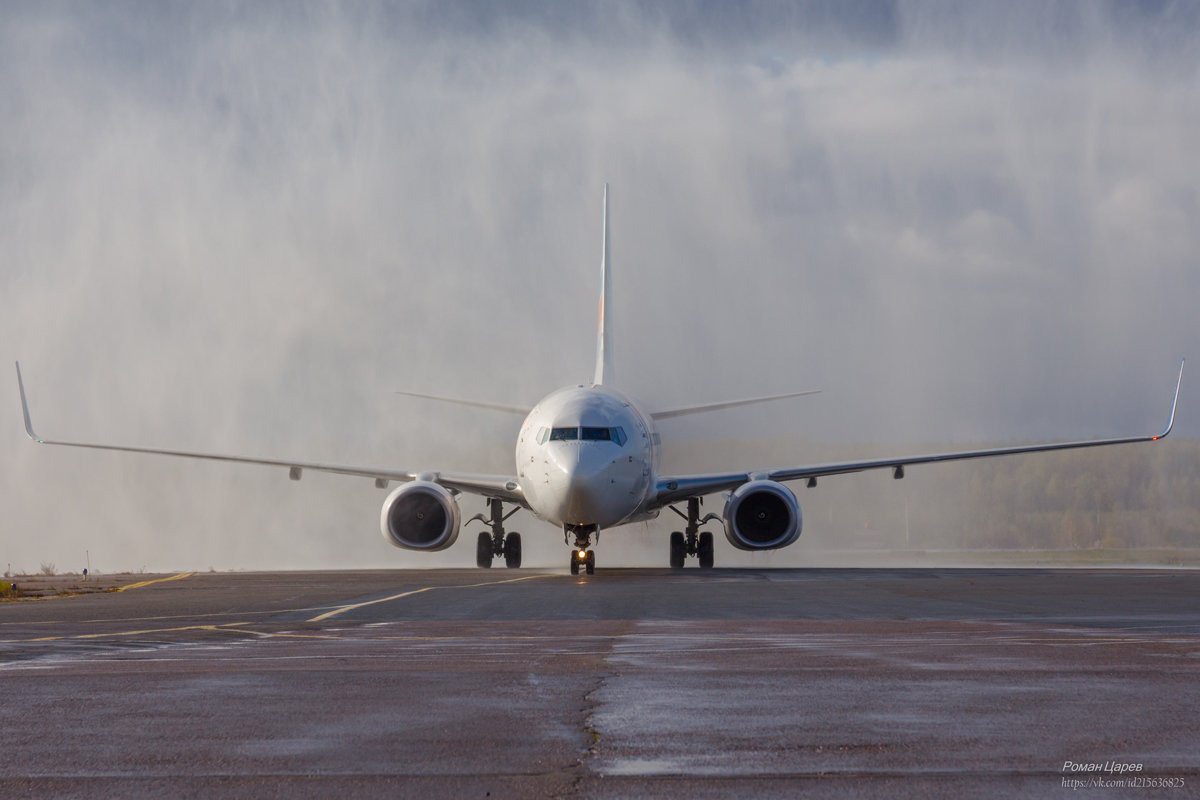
581, 555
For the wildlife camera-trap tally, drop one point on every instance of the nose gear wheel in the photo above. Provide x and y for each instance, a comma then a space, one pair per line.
582, 557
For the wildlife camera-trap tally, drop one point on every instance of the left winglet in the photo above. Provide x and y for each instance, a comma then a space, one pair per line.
674, 489
1174, 403
25, 405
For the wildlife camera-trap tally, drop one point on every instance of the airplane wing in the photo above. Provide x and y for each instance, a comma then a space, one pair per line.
675, 489
503, 487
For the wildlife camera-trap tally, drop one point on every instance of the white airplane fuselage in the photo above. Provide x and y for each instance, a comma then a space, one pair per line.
587, 455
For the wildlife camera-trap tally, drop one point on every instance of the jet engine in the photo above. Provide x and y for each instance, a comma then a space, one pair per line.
420, 515
762, 515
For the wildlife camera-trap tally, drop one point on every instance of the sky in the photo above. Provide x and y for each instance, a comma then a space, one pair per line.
239, 227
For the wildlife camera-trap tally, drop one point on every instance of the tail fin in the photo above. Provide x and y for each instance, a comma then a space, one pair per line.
604, 369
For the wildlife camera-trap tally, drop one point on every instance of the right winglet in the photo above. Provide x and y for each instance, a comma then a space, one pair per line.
25, 405
1174, 402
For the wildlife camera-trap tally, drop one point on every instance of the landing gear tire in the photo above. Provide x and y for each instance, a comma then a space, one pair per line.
483, 550
705, 550
586, 563
492, 545
580, 537
678, 550
512, 550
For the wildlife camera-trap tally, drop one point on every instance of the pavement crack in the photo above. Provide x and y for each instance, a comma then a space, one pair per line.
589, 705
579, 770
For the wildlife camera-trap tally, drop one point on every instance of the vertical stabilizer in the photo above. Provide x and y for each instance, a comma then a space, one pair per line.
604, 370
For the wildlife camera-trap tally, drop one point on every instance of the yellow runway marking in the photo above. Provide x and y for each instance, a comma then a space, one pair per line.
343, 609
264, 612
225, 628
285, 635
156, 580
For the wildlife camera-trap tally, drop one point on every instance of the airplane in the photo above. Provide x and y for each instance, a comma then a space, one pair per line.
587, 460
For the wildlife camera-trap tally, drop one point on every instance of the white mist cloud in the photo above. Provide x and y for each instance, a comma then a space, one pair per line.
240, 227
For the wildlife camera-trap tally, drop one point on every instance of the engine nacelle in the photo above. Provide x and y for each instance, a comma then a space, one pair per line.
420, 515
762, 515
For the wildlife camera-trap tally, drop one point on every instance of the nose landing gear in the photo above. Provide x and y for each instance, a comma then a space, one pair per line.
497, 543
583, 560
582, 557
692, 541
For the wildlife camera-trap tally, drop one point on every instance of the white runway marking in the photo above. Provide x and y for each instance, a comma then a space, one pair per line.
343, 609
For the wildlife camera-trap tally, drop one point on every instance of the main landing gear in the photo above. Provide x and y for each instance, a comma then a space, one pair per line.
582, 557
497, 543
692, 541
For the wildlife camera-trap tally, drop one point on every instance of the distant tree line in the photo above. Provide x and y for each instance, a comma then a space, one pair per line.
1124, 496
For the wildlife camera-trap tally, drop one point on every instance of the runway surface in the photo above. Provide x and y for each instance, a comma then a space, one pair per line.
628, 683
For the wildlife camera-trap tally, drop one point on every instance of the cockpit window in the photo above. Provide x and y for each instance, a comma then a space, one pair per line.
603, 435
587, 434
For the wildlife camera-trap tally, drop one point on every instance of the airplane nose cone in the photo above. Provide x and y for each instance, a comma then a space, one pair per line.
582, 464
584, 484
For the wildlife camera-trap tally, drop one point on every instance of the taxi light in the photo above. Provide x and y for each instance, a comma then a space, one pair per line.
581, 555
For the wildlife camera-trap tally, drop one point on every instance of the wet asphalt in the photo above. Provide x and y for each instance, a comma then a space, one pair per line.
628, 683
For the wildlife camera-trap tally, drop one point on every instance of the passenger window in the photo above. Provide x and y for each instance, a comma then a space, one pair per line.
564, 434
